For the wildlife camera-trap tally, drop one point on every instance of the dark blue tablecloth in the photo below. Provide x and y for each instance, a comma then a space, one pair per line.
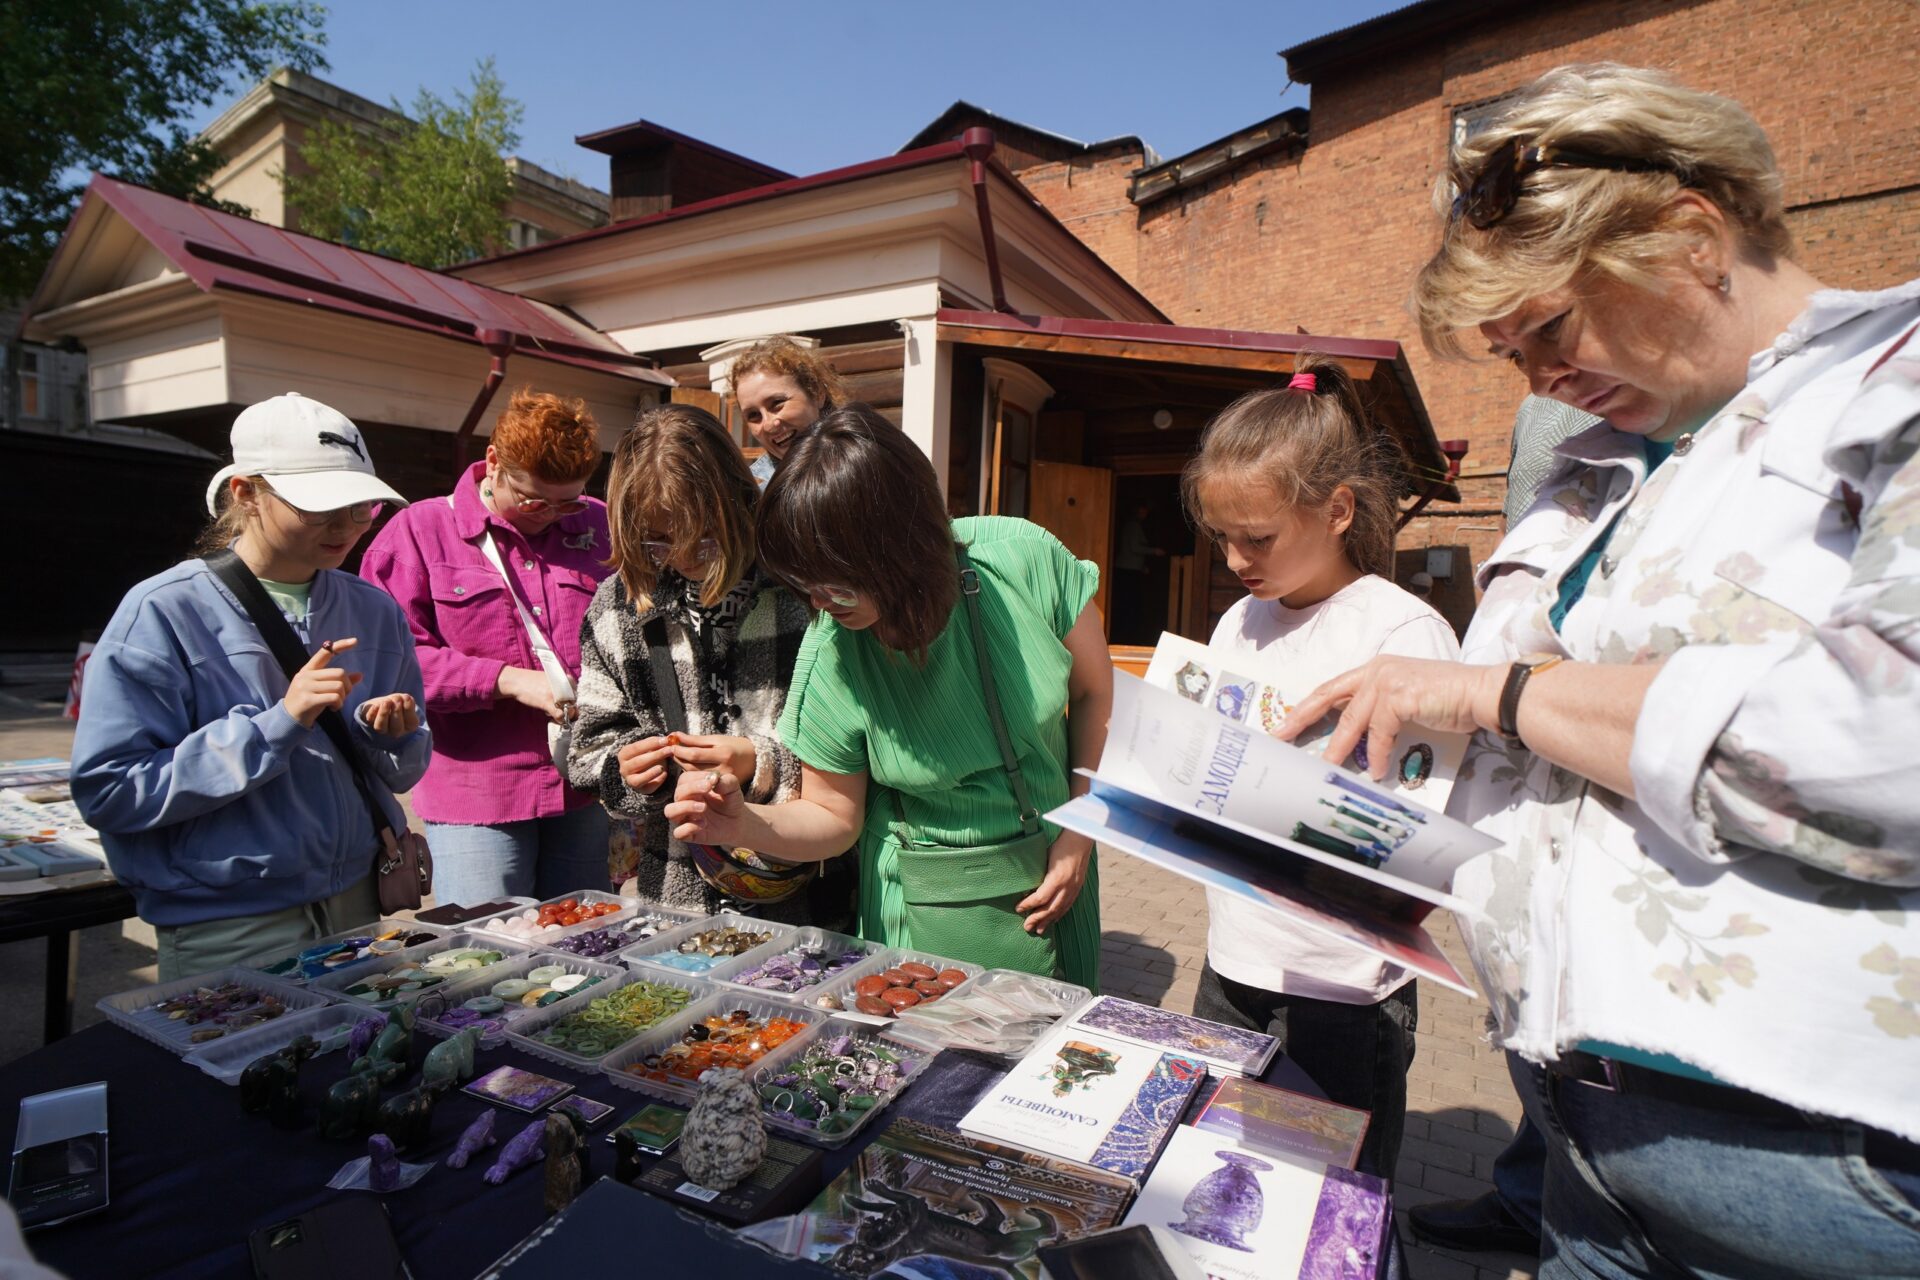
192, 1176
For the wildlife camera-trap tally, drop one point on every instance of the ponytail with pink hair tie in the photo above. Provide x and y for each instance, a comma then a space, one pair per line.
1303, 382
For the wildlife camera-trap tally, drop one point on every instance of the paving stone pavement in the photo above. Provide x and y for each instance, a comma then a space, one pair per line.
1460, 1111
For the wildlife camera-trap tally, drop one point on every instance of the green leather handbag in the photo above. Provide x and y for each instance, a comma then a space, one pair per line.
960, 902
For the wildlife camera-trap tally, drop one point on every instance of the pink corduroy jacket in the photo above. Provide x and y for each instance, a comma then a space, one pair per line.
490, 760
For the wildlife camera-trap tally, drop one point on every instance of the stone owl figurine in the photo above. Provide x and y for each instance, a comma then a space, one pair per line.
724, 1139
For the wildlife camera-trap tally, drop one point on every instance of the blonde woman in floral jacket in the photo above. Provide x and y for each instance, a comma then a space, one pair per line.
1695, 680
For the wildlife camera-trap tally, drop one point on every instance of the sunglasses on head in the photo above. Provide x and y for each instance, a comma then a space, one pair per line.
1495, 189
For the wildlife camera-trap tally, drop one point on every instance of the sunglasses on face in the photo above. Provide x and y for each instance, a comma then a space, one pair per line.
359, 512
705, 551
1493, 192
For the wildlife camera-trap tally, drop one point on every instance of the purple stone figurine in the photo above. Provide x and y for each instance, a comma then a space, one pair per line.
383, 1164
360, 1039
523, 1150
1226, 1204
475, 1138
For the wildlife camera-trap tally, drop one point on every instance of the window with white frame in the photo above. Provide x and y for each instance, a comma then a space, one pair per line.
1475, 116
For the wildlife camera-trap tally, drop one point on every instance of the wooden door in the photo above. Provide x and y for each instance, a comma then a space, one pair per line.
1075, 504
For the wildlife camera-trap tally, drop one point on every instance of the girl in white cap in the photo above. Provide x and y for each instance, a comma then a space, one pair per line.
222, 805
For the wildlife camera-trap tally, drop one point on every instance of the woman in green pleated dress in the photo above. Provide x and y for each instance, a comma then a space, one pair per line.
904, 735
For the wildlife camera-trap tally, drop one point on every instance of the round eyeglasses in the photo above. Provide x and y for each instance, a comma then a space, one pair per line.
838, 597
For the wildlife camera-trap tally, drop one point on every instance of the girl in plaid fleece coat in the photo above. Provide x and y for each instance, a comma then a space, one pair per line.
680, 513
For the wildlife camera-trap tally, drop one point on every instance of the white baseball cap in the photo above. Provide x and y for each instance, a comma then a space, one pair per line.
311, 454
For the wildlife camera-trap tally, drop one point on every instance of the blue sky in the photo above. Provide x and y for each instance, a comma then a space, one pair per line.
807, 87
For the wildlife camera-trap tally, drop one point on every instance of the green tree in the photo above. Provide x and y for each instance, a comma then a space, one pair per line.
109, 85
432, 190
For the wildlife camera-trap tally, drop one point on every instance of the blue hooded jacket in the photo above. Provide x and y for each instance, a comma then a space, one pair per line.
209, 797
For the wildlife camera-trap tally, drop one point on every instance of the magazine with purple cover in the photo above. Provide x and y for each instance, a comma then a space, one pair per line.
1226, 1050
1287, 1124
1243, 1215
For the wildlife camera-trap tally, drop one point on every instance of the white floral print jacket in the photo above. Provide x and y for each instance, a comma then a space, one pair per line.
1751, 913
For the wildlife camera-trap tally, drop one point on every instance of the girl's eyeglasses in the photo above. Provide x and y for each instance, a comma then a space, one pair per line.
705, 551
1496, 188
359, 512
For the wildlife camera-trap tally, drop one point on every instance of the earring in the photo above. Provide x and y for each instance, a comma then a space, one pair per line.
1726, 283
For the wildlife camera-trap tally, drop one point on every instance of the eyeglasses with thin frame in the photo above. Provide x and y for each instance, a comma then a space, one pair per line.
838, 597
705, 551
538, 506
1494, 191
359, 512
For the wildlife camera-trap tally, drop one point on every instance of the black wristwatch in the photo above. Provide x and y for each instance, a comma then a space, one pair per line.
1517, 676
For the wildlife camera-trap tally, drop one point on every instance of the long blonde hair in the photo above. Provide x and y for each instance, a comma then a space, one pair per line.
1304, 444
678, 469
230, 520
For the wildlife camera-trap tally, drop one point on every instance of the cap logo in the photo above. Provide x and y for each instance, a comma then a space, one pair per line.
344, 442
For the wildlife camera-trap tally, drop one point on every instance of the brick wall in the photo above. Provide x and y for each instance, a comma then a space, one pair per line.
1089, 195
1329, 239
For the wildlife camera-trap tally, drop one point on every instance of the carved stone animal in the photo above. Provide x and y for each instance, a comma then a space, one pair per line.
565, 1143
521, 1151
451, 1061
407, 1117
350, 1107
475, 1138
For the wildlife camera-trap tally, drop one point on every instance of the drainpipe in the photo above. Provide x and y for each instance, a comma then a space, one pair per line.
1456, 452
978, 144
499, 345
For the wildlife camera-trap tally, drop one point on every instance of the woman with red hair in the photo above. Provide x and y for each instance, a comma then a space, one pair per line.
495, 579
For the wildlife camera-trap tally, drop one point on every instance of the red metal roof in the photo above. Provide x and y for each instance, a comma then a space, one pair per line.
1177, 335
223, 251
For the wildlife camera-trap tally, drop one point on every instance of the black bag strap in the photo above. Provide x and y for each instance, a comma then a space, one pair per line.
666, 684
970, 593
292, 655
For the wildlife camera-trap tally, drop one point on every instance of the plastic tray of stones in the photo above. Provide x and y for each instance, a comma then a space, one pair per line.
545, 922
600, 943
1002, 1014
402, 979
804, 961
731, 1029
875, 992
224, 1059
188, 1012
501, 995
828, 1082
584, 1028
708, 943
348, 949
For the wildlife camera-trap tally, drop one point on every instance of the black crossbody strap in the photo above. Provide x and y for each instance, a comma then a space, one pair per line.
292, 655
666, 684
970, 593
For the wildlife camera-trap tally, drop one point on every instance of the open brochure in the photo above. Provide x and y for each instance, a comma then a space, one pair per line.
1211, 799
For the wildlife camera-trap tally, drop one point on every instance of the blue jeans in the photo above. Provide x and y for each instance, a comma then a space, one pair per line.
1520, 1172
538, 858
1640, 1186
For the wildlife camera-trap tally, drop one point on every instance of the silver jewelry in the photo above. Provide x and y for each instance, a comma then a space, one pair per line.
1726, 283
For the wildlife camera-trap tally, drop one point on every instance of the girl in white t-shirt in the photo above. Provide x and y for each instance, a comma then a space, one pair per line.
1298, 491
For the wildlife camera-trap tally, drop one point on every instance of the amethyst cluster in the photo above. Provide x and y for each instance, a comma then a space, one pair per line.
594, 942
798, 969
